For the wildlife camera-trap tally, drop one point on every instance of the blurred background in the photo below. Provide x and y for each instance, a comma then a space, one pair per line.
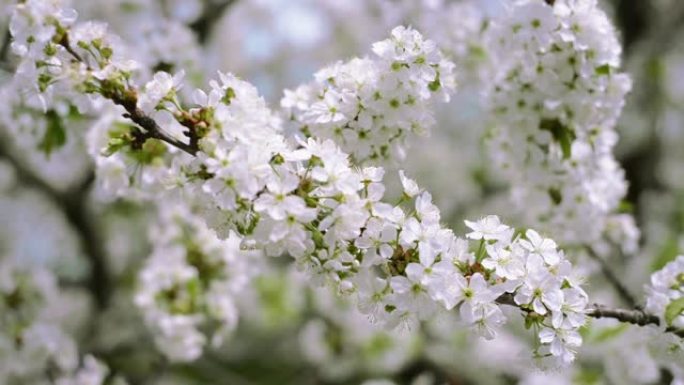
51, 213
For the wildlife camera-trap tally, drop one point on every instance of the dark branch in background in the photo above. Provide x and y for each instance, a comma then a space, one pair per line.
632, 17
608, 272
213, 11
6, 42
72, 203
645, 36
634, 317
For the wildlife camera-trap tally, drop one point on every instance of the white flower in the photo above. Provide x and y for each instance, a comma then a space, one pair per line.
485, 318
410, 294
541, 290
472, 292
279, 203
571, 314
505, 263
544, 247
667, 285
375, 239
410, 186
422, 233
488, 228
159, 88
562, 342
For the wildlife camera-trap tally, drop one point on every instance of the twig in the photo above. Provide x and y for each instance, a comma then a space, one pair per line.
152, 129
205, 23
135, 114
636, 317
607, 272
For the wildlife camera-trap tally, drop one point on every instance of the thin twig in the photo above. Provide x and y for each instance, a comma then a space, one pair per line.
152, 129
636, 316
135, 114
607, 272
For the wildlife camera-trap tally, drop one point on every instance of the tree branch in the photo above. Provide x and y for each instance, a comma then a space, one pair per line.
71, 202
607, 272
152, 129
205, 23
634, 317
129, 103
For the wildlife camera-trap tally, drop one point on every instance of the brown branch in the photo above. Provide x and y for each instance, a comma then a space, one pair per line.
152, 129
635, 317
129, 102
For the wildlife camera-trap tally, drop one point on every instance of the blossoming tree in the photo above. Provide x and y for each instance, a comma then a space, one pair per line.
234, 193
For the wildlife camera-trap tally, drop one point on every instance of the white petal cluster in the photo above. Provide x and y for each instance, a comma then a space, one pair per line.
555, 97
42, 31
370, 106
33, 346
239, 143
188, 284
305, 198
665, 294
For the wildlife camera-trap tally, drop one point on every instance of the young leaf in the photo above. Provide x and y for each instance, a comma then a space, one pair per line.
55, 133
561, 134
673, 310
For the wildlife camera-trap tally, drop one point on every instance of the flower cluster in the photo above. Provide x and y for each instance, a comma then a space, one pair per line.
665, 294
188, 284
61, 57
369, 106
33, 347
124, 165
305, 198
555, 97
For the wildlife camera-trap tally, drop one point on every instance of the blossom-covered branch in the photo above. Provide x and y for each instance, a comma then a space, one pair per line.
370, 106
554, 100
307, 197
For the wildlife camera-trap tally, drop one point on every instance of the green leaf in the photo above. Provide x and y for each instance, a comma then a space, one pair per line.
528, 323
606, 334
562, 134
603, 70
625, 207
588, 376
151, 150
555, 195
435, 84
668, 253
673, 310
55, 133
